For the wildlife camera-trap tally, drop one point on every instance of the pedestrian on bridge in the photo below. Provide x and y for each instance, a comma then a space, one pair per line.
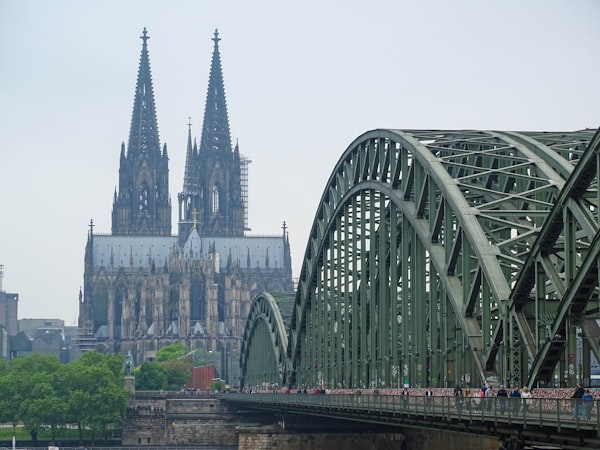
428, 398
476, 399
515, 398
588, 404
577, 401
484, 387
405, 395
458, 398
527, 397
489, 398
502, 395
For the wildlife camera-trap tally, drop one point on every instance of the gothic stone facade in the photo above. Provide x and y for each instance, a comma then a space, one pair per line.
145, 288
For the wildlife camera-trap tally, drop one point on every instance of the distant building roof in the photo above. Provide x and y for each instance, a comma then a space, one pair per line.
20, 343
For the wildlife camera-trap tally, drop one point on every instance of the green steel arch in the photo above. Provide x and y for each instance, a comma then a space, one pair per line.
419, 237
555, 303
263, 359
442, 257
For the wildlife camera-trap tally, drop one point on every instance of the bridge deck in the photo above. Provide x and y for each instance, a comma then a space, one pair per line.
541, 421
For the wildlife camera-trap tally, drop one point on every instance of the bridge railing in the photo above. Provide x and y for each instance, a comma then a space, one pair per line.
551, 412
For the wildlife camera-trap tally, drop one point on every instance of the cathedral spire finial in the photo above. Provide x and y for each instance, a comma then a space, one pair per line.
216, 38
144, 36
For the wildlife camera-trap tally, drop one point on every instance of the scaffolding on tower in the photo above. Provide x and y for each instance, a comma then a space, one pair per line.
244, 161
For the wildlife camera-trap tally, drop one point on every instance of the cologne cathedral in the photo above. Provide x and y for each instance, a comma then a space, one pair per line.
145, 288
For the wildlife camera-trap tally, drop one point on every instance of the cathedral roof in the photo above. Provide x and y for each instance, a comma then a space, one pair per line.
248, 252
134, 251
193, 246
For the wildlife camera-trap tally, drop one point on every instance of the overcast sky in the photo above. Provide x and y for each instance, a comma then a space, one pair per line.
303, 79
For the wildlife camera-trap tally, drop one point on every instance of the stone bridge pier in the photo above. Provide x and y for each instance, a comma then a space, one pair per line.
276, 438
170, 420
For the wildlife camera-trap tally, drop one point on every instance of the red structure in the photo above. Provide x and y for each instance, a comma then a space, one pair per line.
202, 377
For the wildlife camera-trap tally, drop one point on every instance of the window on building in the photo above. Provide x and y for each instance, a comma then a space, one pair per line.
214, 204
143, 198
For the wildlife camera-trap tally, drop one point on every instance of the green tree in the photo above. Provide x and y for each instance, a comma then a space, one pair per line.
204, 358
217, 385
41, 392
9, 405
179, 372
151, 376
171, 352
110, 400
33, 391
49, 408
199, 356
78, 377
96, 398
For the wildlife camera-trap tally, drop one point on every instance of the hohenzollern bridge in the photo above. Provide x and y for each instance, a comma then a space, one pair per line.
441, 258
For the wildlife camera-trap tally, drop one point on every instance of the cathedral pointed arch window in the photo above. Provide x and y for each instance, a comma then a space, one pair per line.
214, 200
143, 198
189, 207
119, 302
198, 299
100, 308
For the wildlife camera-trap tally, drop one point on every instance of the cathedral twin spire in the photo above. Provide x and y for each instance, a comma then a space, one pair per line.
212, 186
142, 205
215, 132
143, 135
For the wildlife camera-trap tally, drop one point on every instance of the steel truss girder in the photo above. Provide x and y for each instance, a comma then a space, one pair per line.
445, 217
563, 269
419, 237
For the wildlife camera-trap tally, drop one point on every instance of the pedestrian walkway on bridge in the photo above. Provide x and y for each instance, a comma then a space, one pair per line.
539, 420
